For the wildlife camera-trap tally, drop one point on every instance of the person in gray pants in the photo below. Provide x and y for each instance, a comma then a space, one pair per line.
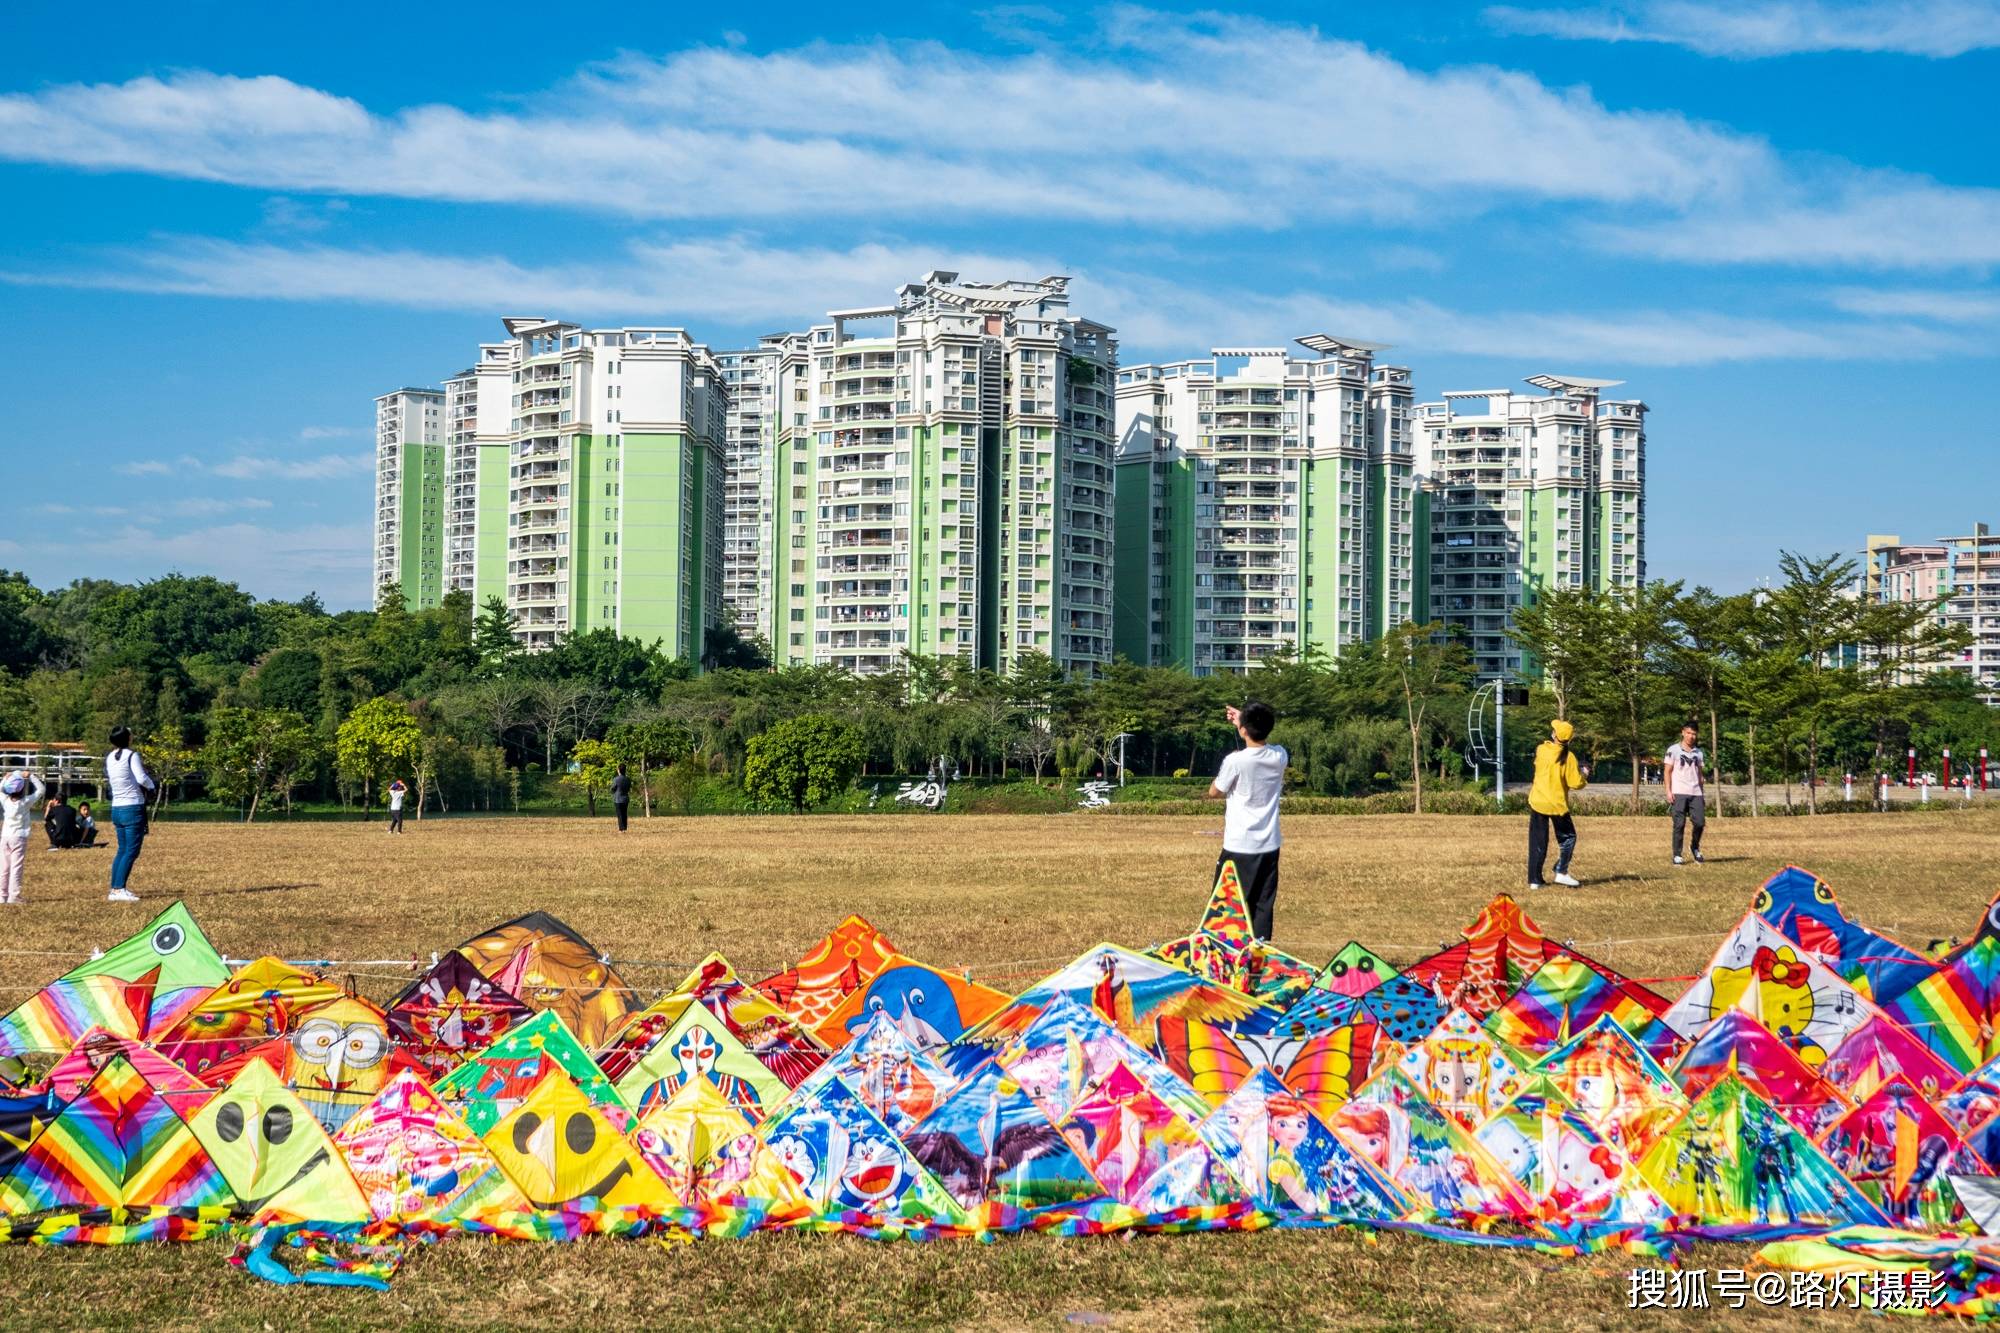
1685, 795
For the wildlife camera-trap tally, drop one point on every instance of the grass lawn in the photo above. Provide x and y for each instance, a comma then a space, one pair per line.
1009, 898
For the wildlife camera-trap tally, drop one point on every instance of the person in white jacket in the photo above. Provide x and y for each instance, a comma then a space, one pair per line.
129, 782
20, 793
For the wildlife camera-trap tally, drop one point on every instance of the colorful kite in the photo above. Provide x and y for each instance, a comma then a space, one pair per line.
1430, 1155
1803, 909
278, 1161
414, 1159
259, 1001
1900, 1150
1956, 1010
450, 1013
547, 966
1286, 1160
1463, 1069
497, 1081
1762, 973
847, 959
141, 988
1616, 1085
1737, 1045
931, 1006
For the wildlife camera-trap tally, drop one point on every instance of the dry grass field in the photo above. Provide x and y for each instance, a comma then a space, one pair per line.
1009, 898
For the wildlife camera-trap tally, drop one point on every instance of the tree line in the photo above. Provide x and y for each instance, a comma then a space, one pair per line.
249, 703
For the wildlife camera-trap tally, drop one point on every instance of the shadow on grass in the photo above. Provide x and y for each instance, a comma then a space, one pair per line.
246, 889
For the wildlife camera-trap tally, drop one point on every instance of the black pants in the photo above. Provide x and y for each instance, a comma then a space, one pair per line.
621, 809
1539, 826
395, 821
1258, 873
1689, 808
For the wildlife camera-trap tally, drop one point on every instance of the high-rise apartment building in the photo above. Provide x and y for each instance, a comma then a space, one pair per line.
1525, 492
409, 495
577, 475
949, 490
1265, 500
1962, 576
768, 410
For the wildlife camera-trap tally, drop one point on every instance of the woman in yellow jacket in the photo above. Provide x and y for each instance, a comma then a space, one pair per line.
1557, 774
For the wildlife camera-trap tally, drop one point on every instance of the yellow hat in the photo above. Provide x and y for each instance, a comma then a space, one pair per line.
1562, 730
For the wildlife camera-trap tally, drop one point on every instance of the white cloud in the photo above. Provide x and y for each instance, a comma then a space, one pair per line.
328, 432
285, 214
150, 467
1747, 29
287, 561
1174, 122
208, 506
324, 468
730, 278
737, 281
1877, 220
1952, 307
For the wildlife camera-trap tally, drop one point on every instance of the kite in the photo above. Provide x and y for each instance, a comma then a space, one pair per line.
1615, 1084
498, 1080
1405, 1008
1144, 1153
1430, 1155
449, 1013
338, 1057
566, 1157
1463, 1069
1573, 1172
850, 956
897, 1079
843, 1159
1732, 1159
140, 988
1737, 1045
259, 1001
777, 1039
117, 1145
1803, 909
96, 1048
415, 1160
1324, 1068
1286, 1160
1900, 1150
1956, 1010
1353, 971
1564, 996
699, 1047
989, 1142
931, 1006
1129, 990
1759, 971
546, 965
278, 1161
1224, 950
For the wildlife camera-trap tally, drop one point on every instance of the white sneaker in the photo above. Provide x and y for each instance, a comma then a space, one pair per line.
1679, 862
1568, 881
1534, 888
121, 896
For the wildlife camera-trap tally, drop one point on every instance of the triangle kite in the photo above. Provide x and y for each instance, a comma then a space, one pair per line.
497, 1081
259, 1001
140, 988
450, 1013
279, 1163
415, 1160
1428, 1154
1757, 970
833, 969
547, 966
1286, 1160
566, 1157
1616, 1085
843, 1159
1904, 1155
989, 1142
1803, 909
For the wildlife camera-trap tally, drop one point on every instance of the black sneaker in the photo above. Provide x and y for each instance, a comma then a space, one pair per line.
1697, 858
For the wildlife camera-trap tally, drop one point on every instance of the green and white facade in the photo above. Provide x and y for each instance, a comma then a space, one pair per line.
578, 476
1527, 492
409, 495
1265, 500
931, 476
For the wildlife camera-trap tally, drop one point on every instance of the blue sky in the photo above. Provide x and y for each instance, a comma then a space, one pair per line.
225, 229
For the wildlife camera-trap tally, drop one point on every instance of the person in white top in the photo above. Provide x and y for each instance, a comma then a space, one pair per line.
125, 774
1252, 779
1686, 798
19, 794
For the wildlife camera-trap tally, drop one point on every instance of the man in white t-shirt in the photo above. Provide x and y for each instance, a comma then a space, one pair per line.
1686, 799
1253, 778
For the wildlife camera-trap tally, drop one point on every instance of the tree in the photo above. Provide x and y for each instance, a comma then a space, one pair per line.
170, 758
592, 766
288, 678
1557, 630
1429, 670
559, 710
493, 641
723, 648
802, 761
1708, 638
647, 743
254, 751
1817, 618
1626, 669
378, 740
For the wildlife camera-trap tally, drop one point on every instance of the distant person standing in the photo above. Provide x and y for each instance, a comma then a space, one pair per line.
18, 793
621, 797
125, 773
1557, 774
396, 793
1685, 796
1252, 779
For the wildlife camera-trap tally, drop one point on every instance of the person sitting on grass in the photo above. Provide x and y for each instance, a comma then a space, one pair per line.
86, 825
1253, 778
59, 822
